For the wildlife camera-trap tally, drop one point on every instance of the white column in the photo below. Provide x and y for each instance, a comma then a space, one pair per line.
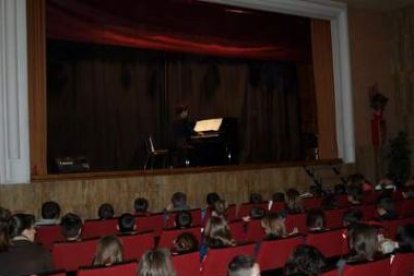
14, 125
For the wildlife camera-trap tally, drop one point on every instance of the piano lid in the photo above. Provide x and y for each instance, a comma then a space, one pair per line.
208, 125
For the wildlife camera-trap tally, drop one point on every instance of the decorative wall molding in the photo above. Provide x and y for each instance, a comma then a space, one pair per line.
14, 126
337, 14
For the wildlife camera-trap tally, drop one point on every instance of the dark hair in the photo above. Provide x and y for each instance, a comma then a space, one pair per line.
141, 205
241, 265
50, 210
220, 208
387, 203
351, 216
405, 238
307, 259
255, 198
186, 243
183, 219
179, 200
363, 242
106, 211
212, 198
329, 202
126, 223
278, 197
315, 218
21, 222
355, 192
293, 201
340, 189
5, 224
257, 212
71, 225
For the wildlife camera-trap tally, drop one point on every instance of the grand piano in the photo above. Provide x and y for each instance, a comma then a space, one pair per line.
215, 142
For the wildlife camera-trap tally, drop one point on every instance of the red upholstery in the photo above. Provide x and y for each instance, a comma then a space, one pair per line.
330, 243
136, 245
277, 207
333, 272
128, 269
297, 220
232, 212
391, 226
334, 218
154, 222
187, 264
168, 236
46, 235
245, 208
369, 212
377, 268
195, 215
370, 197
407, 208
255, 230
274, 254
237, 229
311, 202
402, 264
342, 201
217, 260
72, 255
99, 228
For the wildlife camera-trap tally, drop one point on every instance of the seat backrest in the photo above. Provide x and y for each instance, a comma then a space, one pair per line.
169, 235
72, 255
273, 254
277, 207
195, 216
311, 202
217, 260
136, 245
342, 201
402, 264
238, 230
334, 218
370, 197
391, 226
154, 222
331, 243
369, 212
377, 268
244, 209
296, 220
187, 264
231, 212
46, 235
127, 269
255, 231
99, 228
407, 208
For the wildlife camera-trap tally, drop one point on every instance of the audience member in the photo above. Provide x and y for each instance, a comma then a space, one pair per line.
278, 197
185, 243
106, 211
315, 220
355, 194
274, 227
255, 198
351, 217
329, 202
126, 224
141, 206
109, 251
156, 263
183, 219
22, 256
257, 213
385, 184
71, 227
305, 259
386, 208
219, 209
293, 202
243, 265
212, 198
5, 224
178, 202
50, 213
405, 238
217, 233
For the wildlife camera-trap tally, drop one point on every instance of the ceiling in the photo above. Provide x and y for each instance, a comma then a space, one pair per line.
379, 5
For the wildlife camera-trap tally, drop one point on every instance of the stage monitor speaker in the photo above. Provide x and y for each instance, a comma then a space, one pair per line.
69, 164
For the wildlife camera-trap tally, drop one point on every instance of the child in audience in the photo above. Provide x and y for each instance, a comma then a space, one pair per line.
106, 211
216, 235
21, 256
141, 206
315, 220
386, 208
178, 202
185, 243
243, 265
183, 220
274, 227
219, 209
211, 199
305, 260
126, 224
156, 262
293, 202
108, 252
351, 217
50, 213
71, 227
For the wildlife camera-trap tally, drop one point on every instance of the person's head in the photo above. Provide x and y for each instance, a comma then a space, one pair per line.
363, 241
156, 263
126, 223
212, 198
307, 259
340, 189
257, 213
274, 224
217, 231
106, 211
50, 210
71, 226
405, 238
385, 204
179, 200
183, 219
351, 217
141, 205
109, 251
185, 243
278, 197
255, 198
5, 224
355, 194
243, 265
23, 225
315, 219
315, 190
219, 208
293, 199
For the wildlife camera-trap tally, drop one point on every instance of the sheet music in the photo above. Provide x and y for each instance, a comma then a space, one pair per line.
208, 125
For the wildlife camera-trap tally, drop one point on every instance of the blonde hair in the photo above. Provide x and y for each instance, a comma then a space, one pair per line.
156, 263
218, 233
274, 224
109, 251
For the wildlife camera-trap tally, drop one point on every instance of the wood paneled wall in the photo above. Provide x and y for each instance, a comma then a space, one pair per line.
83, 196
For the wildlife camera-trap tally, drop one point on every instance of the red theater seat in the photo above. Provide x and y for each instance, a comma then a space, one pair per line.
377, 268
70, 256
311, 202
407, 208
136, 245
217, 260
342, 201
169, 235
331, 243
391, 226
255, 230
245, 208
99, 228
402, 264
369, 212
334, 218
154, 222
187, 264
195, 216
128, 269
277, 207
237, 229
46, 235
297, 220
274, 254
